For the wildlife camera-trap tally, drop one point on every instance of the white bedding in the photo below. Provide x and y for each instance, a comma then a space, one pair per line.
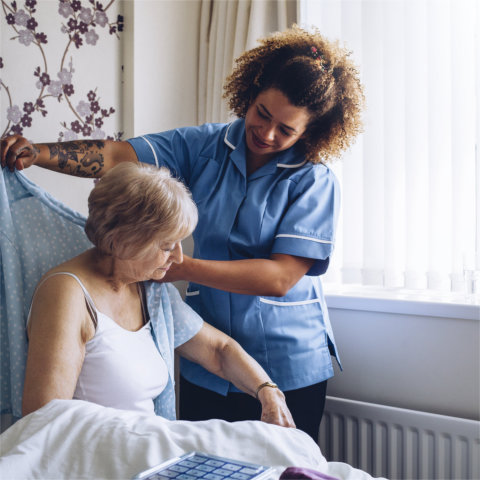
78, 440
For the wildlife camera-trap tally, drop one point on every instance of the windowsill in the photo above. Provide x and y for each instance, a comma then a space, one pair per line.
402, 301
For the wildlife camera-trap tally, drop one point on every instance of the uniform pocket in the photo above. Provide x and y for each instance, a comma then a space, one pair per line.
297, 325
288, 304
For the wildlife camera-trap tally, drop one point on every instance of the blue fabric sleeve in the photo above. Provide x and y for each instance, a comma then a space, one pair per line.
178, 149
308, 227
187, 322
37, 232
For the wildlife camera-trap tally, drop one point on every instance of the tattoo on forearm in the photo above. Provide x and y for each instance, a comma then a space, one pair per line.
31, 150
35, 152
82, 158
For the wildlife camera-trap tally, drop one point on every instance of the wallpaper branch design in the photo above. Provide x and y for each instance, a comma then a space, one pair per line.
82, 22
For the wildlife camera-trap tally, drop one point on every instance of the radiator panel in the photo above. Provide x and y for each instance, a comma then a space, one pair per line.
398, 443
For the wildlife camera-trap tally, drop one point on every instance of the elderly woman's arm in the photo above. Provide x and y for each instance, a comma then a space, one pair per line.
223, 356
56, 330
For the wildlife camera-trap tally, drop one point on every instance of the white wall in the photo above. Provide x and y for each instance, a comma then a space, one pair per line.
165, 64
428, 362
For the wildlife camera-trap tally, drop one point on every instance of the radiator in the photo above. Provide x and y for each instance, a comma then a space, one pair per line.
400, 444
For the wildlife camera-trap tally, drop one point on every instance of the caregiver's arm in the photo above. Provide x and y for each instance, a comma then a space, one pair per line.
81, 158
272, 277
223, 356
58, 329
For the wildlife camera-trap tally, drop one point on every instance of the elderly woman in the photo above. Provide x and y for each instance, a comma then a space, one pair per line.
91, 335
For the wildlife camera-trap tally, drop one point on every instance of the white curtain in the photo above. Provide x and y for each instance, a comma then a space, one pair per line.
228, 28
410, 185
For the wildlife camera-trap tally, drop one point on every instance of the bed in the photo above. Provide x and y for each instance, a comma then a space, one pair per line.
73, 439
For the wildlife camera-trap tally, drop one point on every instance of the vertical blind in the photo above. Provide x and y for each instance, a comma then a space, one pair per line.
410, 184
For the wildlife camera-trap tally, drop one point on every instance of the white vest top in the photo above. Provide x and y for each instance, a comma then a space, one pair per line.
122, 369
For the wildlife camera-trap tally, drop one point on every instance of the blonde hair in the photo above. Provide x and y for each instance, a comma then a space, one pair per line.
135, 207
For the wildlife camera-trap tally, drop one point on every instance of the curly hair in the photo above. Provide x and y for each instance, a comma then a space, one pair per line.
311, 72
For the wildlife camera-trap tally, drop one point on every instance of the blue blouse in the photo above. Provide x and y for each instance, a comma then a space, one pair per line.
287, 206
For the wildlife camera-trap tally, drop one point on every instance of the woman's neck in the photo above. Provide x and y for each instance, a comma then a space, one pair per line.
115, 271
255, 161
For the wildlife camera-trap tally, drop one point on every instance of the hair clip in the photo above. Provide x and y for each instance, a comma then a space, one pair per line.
315, 53
318, 57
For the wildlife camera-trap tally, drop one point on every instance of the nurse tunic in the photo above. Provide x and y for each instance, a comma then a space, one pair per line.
288, 206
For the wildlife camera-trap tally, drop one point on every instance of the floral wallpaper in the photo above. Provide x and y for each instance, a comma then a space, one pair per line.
48, 82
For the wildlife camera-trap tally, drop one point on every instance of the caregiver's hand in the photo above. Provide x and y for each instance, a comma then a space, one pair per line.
178, 271
16, 152
274, 407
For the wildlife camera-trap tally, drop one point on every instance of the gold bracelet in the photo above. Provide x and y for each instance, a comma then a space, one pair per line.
263, 385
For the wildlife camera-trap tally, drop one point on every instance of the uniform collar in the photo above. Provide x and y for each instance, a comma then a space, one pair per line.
235, 139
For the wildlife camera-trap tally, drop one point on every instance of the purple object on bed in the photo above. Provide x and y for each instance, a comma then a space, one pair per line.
298, 473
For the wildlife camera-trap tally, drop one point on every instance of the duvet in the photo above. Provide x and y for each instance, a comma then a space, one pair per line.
73, 439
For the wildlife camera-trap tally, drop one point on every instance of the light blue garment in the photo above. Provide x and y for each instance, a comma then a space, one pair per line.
37, 232
288, 206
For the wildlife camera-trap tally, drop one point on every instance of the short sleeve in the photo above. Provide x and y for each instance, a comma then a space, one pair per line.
178, 149
187, 322
308, 227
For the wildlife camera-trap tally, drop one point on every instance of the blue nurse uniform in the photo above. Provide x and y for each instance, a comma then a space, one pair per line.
288, 206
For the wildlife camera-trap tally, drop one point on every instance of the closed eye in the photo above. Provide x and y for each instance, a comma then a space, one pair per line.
284, 131
262, 115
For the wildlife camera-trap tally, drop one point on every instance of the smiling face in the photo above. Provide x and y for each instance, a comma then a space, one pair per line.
273, 124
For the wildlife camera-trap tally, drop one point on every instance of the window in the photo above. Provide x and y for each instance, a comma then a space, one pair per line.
410, 185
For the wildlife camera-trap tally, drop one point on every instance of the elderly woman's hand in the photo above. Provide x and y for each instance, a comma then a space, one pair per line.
274, 407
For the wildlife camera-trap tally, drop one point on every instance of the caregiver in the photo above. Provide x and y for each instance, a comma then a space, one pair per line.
267, 205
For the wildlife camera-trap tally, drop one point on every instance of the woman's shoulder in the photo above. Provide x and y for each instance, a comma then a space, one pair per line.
211, 128
70, 275
74, 266
314, 174
59, 304
319, 168
204, 136
203, 132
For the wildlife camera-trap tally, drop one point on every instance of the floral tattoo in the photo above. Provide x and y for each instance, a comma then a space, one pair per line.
83, 158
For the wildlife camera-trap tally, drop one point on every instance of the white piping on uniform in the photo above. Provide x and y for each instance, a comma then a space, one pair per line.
153, 151
289, 304
303, 238
285, 165
192, 294
226, 139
